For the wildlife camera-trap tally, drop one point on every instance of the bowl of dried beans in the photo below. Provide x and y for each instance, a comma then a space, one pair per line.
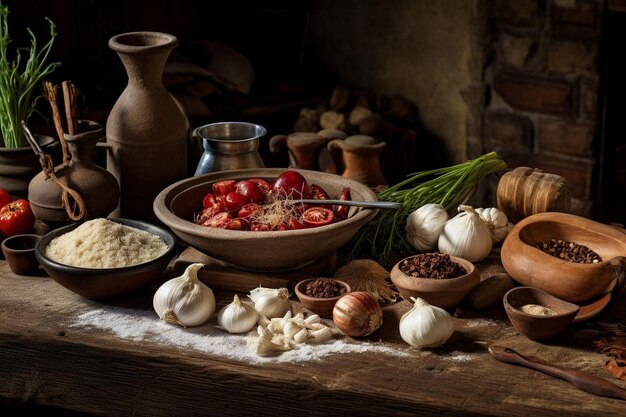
440, 279
252, 219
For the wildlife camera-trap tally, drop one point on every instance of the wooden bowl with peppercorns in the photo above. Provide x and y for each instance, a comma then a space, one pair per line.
442, 280
319, 295
571, 257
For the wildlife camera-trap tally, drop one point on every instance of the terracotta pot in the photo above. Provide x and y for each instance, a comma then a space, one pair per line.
146, 129
360, 155
97, 187
323, 307
18, 166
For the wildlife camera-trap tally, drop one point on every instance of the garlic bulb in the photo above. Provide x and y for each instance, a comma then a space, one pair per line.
497, 222
424, 226
466, 236
425, 325
271, 302
238, 316
185, 300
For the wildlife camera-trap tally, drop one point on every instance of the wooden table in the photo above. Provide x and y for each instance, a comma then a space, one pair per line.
47, 360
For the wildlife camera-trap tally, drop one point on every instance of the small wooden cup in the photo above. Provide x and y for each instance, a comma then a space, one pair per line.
323, 307
19, 251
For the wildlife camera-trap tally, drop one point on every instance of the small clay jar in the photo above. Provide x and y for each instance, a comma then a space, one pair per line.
303, 148
97, 187
360, 155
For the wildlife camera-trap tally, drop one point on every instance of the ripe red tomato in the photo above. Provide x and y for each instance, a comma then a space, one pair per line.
235, 201
247, 210
265, 186
219, 220
318, 192
342, 211
260, 227
291, 184
210, 200
16, 218
223, 187
5, 198
238, 224
251, 190
318, 216
295, 224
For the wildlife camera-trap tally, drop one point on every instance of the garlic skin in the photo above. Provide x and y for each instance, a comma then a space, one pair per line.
185, 300
497, 222
466, 236
425, 325
271, 302
238, 316
424, 225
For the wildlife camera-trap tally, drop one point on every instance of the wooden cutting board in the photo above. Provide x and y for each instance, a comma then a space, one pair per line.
217, 274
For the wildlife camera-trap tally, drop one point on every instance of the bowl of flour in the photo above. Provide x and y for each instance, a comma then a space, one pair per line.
105, 258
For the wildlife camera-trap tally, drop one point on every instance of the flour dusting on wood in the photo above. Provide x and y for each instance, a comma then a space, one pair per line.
144, 326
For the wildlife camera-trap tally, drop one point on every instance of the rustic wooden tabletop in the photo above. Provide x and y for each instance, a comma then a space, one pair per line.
116, 358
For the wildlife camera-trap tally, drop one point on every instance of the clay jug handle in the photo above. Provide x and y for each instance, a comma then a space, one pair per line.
276, 142
335, 148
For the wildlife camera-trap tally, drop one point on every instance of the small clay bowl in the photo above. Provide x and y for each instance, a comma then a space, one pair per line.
444, 293
323, 307
19, 251
537, 327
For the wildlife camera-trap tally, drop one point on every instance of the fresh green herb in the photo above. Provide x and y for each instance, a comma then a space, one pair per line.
385, 236
17, 81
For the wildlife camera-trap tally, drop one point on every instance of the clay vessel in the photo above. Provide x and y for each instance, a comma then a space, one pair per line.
323, 307
303, 148
19, 251
360, 155
444, 293
146, 129
18, 166
97, 187
569, 281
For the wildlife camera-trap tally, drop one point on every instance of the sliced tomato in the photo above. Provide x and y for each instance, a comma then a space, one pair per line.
209, 212
234, 201
219, 220
342, 211
259, 227
318, 192
211, 200
265, 186
318, 216
223, 187
247, 210
294, 224
251, 190
238, 224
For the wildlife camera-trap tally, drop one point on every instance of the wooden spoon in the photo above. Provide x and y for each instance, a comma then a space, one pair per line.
583, 380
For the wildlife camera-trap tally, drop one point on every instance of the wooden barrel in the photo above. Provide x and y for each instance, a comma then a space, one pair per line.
525, 191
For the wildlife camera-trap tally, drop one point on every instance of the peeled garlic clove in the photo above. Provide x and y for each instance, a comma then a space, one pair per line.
271, 302
358, 314
265, 347
263, 321
185, 300
238, 316
314, 318
321, 335
426, 325
291, 329
301, 336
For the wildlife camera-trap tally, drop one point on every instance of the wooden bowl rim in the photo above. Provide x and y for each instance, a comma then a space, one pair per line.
532, 290
301, 295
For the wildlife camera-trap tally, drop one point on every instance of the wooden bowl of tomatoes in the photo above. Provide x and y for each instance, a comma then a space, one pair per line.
251, 218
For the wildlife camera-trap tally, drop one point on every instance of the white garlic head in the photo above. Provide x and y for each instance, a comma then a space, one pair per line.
426, 325
238, 316
185, 300
424, 225
466, 235
497, 222
271, 302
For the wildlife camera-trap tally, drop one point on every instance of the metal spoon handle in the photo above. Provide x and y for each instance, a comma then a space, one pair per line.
368, 204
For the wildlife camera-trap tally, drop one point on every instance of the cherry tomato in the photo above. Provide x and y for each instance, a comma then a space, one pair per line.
223, 187
292, 184
207, 213
318, 192
210, 200
219, 220
16, 218
265, 186
238, 224
259, 227
294, 224
251, 190
234, 201
342, 211
5, 198
318, 216
247, 210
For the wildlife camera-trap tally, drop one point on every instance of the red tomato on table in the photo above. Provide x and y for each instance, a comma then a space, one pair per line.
16, 218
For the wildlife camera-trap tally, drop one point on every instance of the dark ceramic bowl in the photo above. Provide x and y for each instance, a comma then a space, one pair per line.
537, 327
19, 251
100, 284
284, 250
444, 293
323, 307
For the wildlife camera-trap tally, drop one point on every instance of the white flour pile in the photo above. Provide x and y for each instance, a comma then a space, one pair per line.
146, 326
101, 243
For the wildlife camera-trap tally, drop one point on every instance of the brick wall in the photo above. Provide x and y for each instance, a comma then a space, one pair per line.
543, 82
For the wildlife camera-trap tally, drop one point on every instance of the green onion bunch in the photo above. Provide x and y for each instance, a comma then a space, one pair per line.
18, 79
450, 186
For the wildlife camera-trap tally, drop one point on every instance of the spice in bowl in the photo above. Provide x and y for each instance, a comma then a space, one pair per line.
324, 288
537, 310
570, 251
432, 265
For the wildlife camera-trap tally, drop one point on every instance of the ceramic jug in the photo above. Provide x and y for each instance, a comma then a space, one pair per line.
307, 150
360, 157
146, 130
97, 187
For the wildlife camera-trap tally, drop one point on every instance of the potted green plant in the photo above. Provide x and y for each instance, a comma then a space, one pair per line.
19, 77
